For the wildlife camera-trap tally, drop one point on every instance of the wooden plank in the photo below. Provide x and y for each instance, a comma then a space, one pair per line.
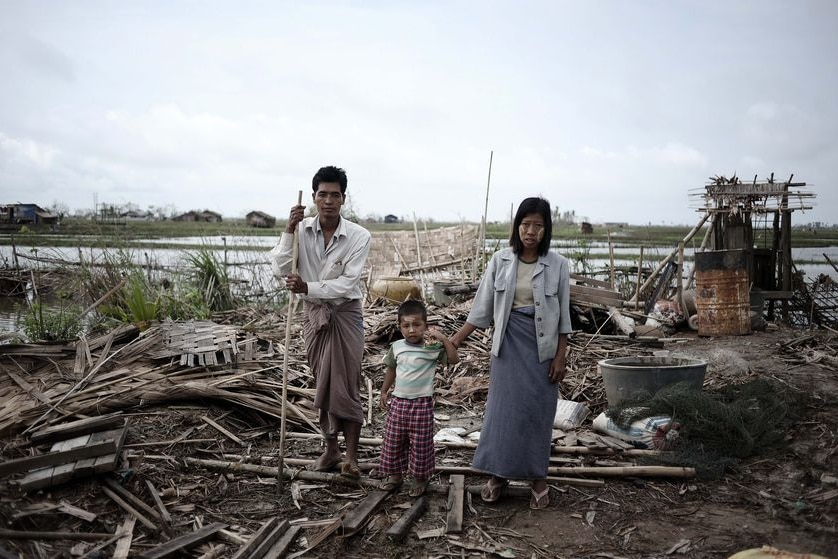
590, 281
280, 548
584, 291
454, 520
222, 430
174, 546
131, 498
28, 388
269, 539
106, 463
398, 531
256, 540
359, 516
67, 508
129, 509
63, 456
37, 479
594, 300
155, 495
79, 427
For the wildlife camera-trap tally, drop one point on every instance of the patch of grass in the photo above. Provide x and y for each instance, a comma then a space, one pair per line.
209, 277
52, 324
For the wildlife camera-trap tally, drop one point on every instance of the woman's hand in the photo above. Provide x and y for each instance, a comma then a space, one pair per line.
558, 370
382, 402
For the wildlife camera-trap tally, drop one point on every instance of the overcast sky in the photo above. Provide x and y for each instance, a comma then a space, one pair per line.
614, 109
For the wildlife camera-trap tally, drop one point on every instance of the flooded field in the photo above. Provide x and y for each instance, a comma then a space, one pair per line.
246, 259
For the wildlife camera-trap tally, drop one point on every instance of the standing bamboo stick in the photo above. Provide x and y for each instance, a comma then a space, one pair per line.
289, 315
639, 280
481, 237
679, 285
611, 260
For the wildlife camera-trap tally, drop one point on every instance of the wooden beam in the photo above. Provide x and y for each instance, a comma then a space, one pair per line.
155, 495
256, 539
280, 548
172, 547
123, 545
129, 509
269, 538
359, 516
222, 430
581, 291
398, 531
130, 497
454, 520
79, 427
37, 536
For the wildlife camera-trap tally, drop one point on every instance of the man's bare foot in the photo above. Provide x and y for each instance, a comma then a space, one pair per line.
326, 461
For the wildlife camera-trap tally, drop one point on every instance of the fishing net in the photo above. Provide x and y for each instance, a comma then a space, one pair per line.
717, 428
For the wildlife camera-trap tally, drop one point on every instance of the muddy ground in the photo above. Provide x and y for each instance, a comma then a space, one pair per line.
787, 500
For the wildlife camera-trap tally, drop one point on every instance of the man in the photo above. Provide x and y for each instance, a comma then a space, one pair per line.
332, 254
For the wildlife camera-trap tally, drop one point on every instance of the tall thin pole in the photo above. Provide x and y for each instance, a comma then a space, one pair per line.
481, 247
288, 317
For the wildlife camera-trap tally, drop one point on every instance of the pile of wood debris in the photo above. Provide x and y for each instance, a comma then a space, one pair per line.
132, 408
161, 442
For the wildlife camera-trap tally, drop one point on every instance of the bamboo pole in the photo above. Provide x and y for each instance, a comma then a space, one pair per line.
672, 254
481, 237
611, 260
702, 246
639, 279
679, 284
288, 317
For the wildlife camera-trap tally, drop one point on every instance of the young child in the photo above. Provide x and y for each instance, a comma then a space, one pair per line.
409, 428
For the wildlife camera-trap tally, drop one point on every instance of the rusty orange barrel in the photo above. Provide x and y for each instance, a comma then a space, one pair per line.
722, 297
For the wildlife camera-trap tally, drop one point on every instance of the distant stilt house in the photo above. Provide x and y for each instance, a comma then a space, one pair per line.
260, 219
211, 217
206, 215
188, 216
390, 218
26, 214
586, 228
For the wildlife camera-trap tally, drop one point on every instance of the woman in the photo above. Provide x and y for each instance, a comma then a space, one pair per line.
525, 292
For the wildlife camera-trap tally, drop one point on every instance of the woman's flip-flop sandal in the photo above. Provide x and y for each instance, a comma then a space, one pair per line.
492, 490
419, 488
540, 500
390, 483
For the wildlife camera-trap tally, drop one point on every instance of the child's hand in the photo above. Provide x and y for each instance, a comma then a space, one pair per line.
435, 333
382, 402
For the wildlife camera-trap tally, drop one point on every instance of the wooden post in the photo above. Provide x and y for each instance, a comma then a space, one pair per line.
639, 279
611, 260
288, 317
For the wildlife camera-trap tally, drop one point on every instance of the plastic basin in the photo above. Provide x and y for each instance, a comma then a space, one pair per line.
624, 376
